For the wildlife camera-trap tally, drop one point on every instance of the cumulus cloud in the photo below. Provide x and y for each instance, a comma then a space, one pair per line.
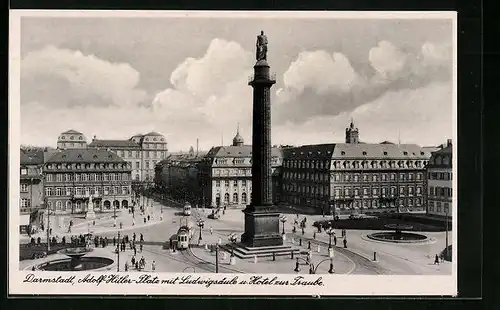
62, 77
208, 95
318, 84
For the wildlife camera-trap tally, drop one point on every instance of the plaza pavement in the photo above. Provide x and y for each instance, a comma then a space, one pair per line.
405, 259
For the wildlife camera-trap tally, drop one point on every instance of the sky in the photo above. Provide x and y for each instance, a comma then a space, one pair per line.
187, 78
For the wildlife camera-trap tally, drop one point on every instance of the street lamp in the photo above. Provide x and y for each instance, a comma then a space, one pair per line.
313, 268
200, 224
118, 253
330, 231
283, 220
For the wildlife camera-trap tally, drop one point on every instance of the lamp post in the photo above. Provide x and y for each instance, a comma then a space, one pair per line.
216, 256
283, 220
330, 233
313, 268
48, 225
118, 253
200, 224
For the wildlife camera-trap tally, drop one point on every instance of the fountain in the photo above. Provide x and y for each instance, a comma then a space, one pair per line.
76, 261
397, 235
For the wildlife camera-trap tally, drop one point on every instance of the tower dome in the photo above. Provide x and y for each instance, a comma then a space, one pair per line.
238, 139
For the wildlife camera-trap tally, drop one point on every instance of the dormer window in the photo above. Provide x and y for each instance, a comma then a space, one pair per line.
385, 153
63, 156
95, 156
68, 166
342, 153
79, 156
49, 166
63, 137
405, 153
364, 153
422, 153
71, 138
80, 138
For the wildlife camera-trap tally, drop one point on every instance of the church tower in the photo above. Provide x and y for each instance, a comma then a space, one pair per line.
238, 140
351, 134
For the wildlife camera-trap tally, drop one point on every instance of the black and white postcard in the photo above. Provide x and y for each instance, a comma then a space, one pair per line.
232, 153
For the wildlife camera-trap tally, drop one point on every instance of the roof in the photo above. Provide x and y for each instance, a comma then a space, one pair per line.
31, 158
85, 156
71, 131
153, 133
114, 144
48, 154
444, 151
348, 150
238, 151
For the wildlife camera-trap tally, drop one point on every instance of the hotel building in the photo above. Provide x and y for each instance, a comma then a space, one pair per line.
355, 176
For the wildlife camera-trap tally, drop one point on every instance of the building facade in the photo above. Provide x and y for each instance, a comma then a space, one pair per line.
226, 174
178, 176
71, 139
31, 181
439, 182
73, 175
355, 176
143, 152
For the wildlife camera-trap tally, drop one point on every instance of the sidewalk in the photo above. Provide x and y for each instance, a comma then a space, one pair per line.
103, 224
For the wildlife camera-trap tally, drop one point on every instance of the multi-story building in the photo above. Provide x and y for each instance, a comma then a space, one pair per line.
71, 139
143, 152
226, 174
349, 176
31, 186
178, 176
72, 175
439, 182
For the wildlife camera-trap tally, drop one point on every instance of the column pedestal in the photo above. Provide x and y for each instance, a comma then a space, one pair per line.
262, 228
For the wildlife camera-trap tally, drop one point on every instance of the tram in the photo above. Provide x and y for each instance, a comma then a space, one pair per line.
187, 209
181, 239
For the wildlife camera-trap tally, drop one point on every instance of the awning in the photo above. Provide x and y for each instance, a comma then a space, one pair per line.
24, 219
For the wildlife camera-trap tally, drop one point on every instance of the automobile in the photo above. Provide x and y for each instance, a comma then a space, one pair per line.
356, 216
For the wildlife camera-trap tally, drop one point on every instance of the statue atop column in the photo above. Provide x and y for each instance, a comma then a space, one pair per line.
90, 208
261, 46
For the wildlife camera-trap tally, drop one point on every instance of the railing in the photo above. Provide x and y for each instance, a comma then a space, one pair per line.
272, 77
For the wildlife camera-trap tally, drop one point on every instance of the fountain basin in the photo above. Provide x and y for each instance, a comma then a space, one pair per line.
67, 264
398, 237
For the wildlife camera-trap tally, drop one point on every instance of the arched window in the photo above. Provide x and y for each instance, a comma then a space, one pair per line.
78, 205
244, 198
235, 197
58, 205
226, 197
68, 205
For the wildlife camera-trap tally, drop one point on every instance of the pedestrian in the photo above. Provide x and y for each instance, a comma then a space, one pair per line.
345, 243
142, 238
114, 241
137, 265
140, 247
134, 236
153, 266
135, 250
93, 222
50, 231
335, 240
121, 225
133, 260
149, 217
211, 230
314, 235
436, 260
126, 266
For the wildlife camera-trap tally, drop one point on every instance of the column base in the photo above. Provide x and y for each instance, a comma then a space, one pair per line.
261, 227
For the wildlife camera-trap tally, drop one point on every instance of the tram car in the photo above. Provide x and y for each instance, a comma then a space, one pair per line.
187, 209
181, 239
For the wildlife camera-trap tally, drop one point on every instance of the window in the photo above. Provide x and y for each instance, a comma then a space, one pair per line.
410, 177
146, 154
58, 191
393, 177
106, 190
384, 177
374, 191
125, 190
446, 207
419, 190
244, 183
337, 192
48, 191
217, 183
431, 191
235, 198
244, 198
137, 177
129, 153
24, 188
365, 191
24, 171
48, 177
438, 207
147, 164
152, 153
401, 191
226, 197
235, 183
68, 191
401, 177
25, 203
410, 191
375, 178
419, 176
226, 183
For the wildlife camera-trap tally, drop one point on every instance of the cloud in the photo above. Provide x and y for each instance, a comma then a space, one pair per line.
208, 95
318, 84
62, 77
422, 116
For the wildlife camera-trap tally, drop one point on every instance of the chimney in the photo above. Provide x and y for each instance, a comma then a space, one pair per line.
448, 142
95, 138
197, 144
